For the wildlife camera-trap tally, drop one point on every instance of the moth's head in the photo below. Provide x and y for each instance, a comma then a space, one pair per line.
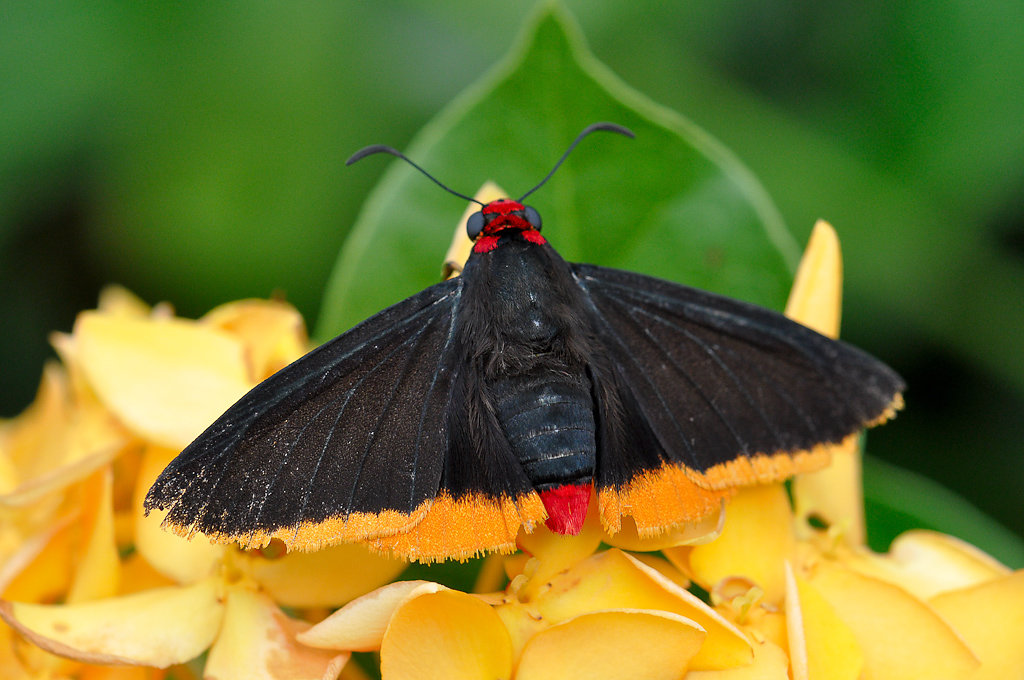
500, 215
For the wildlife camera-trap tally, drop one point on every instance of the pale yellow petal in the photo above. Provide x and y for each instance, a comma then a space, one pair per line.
119, 301
97, 562
185, 561
770, 663
755, 543
614, 580
272, 333
990, 618
326, 578
899, 635
927, 563
446, 635
359, 626
167, 379
154, 628
622, 644
821, 646
461, 246
257, 642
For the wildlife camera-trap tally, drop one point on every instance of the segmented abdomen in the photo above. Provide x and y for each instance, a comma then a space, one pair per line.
549, 421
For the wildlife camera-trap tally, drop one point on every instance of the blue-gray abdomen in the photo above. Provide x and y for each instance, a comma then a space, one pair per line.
549, 422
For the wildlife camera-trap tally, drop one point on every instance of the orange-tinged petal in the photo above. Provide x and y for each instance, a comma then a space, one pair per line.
927, 563
899, 635
770, 663
359, 626
461, 246
821, 646
755, 542
521, 621
97, 563
614, 580
990, 617
185, 561
138, 575
326, 578
446, 635
257, 642
167, 379
272, 332
620, 644
40, 569
154, 628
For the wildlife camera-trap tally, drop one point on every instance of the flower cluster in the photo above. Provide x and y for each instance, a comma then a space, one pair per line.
92, 588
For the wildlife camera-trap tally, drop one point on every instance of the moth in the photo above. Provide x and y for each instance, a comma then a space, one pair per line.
520, 393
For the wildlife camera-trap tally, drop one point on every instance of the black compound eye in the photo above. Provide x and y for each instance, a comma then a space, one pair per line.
532, 216
474, 225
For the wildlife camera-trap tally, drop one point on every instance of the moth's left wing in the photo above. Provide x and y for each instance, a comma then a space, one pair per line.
348, 443
722, 391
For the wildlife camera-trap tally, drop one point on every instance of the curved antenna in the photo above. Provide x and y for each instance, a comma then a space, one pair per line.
608, 127
380, 148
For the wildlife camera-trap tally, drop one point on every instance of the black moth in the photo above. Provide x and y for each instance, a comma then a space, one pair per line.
519, 393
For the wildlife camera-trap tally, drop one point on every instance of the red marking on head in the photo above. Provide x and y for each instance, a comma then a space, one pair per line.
533, 236
501, 206
505, 214
567, 507
485, 244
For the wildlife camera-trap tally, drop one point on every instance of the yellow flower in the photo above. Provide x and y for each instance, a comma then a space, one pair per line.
136, 385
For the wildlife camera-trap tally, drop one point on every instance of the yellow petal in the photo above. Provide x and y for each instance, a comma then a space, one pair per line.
990, 617
770, 663
926, 563
816, 297
755, 542
272, 333
167, 379
705, 530
900, 636
459, 250
185, 561
554, 553
97, 566
620, 644
257, 642
326, 578
821, 646
119, 301
614, 580
446, 635
154, 628
834, 494
359, 626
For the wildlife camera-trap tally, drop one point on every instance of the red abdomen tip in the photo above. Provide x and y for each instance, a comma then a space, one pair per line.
567, 507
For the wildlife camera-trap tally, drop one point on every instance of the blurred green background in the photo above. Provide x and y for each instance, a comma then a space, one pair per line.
194, 152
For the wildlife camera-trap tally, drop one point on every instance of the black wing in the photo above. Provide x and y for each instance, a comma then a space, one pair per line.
347, 443
729, 391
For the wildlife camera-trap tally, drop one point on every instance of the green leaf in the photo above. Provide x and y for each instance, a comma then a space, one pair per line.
897, 500
672, 203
